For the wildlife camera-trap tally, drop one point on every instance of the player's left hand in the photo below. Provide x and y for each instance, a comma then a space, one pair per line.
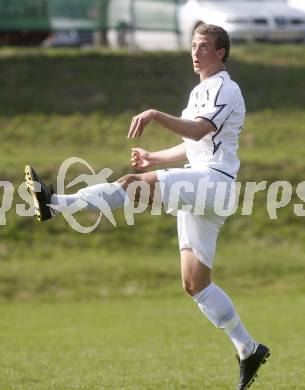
139, 122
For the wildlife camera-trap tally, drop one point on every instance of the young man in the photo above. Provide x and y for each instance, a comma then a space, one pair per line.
210, 127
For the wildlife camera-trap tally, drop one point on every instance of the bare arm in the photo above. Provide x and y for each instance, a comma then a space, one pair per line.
174, 154
192, 129
141, 158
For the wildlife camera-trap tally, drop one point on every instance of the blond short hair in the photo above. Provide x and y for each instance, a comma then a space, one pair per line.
222, 39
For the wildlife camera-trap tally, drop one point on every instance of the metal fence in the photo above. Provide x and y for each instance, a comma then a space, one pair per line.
149, 15
78, 14
88, 15
93, 14
24, 15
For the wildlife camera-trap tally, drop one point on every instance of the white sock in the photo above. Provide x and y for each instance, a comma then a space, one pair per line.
244, 344
219, 309
93, 197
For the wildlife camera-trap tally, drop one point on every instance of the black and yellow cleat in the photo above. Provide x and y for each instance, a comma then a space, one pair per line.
250, 366
41, 194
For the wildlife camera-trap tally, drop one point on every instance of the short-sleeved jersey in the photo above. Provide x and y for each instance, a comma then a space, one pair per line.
217, 99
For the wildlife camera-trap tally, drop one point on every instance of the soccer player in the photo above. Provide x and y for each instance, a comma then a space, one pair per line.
210, 127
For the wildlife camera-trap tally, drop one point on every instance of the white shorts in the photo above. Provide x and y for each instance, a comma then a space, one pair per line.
190, 194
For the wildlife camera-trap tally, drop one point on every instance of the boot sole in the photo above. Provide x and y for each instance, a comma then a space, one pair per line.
33, 187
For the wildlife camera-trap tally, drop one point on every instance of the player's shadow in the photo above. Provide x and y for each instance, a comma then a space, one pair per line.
112, 83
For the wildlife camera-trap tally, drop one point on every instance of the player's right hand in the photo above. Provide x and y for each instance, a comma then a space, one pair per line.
140, 158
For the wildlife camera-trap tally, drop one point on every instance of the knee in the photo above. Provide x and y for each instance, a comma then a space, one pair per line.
189, 288
192, 288
128, 179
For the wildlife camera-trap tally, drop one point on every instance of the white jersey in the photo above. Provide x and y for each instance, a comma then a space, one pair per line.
217, 99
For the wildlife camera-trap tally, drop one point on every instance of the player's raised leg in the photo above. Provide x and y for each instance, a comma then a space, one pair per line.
47, 203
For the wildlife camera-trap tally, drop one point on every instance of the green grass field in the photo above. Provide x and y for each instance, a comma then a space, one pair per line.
144, 343
106, 310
